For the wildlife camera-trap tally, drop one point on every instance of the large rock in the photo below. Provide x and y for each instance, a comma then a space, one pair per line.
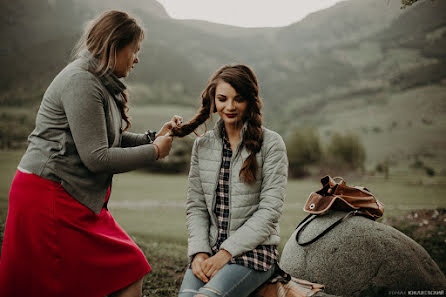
360, 257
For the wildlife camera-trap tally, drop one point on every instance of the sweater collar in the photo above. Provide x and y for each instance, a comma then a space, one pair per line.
108, 79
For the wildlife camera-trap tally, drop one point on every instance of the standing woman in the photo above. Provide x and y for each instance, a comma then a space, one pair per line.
60, 239
237, 184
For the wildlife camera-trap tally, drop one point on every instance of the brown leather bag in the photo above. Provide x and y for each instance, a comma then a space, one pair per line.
294, 288
283, 284
338, 196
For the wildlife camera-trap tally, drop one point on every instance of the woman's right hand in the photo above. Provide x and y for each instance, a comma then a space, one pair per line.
196, 266
176, 121
164, 144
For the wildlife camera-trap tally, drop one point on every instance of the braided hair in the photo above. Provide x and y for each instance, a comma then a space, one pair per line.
244, 81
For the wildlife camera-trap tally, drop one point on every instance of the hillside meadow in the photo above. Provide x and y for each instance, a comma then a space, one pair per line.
153, 204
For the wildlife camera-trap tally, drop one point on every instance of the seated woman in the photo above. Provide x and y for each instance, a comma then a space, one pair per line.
237, 185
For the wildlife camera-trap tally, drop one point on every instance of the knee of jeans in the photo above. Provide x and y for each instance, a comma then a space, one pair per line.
208, 292
187, 293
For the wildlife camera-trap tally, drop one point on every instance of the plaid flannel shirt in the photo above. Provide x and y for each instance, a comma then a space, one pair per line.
261, 258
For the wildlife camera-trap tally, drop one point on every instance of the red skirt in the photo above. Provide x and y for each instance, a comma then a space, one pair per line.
55, 246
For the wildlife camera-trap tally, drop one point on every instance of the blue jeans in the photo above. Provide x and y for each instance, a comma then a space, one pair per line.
232, 280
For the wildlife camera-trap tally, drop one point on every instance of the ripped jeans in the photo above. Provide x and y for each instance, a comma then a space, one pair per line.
232, 280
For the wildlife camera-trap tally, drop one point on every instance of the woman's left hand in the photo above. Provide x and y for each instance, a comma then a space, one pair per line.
176, 121
213, 264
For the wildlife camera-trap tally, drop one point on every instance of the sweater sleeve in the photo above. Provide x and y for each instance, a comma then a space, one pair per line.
130, 139
197, 216
83, 103
273, 189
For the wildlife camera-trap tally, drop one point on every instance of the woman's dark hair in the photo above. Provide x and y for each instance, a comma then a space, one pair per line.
104, 37
244, 81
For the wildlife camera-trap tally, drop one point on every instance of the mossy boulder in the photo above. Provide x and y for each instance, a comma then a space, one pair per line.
360, 257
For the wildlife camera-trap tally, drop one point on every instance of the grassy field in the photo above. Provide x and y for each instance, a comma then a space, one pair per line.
150, 207
153, 205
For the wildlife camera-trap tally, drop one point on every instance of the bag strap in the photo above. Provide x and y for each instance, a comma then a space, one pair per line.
304, 221
311, 217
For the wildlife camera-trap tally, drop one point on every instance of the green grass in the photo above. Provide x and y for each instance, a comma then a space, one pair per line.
168, 265
9, 161
152, 205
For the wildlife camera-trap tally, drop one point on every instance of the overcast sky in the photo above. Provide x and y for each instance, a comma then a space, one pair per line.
245, 13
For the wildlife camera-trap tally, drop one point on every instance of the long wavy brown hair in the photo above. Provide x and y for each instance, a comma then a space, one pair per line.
104, 37
244, 81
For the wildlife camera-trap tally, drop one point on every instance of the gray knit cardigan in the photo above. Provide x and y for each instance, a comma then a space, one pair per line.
78, 139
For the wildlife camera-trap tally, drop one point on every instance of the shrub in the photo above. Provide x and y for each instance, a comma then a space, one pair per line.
383, 168
304, 149
177, 161
419, 165
429, 171
345, 152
